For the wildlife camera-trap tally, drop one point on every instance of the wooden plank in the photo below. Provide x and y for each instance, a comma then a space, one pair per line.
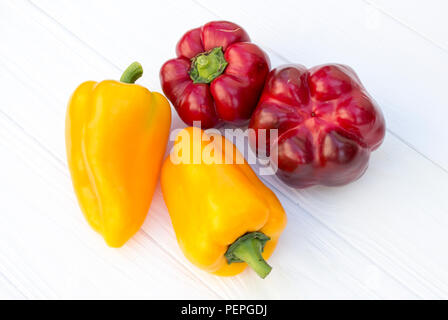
426, 18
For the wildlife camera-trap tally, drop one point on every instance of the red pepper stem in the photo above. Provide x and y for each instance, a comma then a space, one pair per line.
248, 248
207, 66
132, 73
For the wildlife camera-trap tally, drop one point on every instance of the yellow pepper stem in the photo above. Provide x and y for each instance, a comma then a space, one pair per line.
248, 248
132, 73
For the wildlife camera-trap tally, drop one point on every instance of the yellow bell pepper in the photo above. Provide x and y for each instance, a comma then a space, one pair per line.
116, 134
224, 217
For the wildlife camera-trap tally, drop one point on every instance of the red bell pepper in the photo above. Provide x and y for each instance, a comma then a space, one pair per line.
217, 77
327, 124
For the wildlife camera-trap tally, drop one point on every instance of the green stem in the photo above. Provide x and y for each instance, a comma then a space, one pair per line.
207, 66
248, 248
132, 73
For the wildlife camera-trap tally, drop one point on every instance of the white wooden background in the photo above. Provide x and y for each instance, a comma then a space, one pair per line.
384, 236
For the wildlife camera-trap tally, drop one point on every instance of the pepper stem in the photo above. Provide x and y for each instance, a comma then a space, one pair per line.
207, 66
248, 248
132, 73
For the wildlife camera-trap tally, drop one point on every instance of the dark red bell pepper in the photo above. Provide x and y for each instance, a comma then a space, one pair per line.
217, 77
327, 124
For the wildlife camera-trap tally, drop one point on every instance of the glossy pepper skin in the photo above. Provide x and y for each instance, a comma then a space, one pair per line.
116, 134
217, 76
213, 204
327, 124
